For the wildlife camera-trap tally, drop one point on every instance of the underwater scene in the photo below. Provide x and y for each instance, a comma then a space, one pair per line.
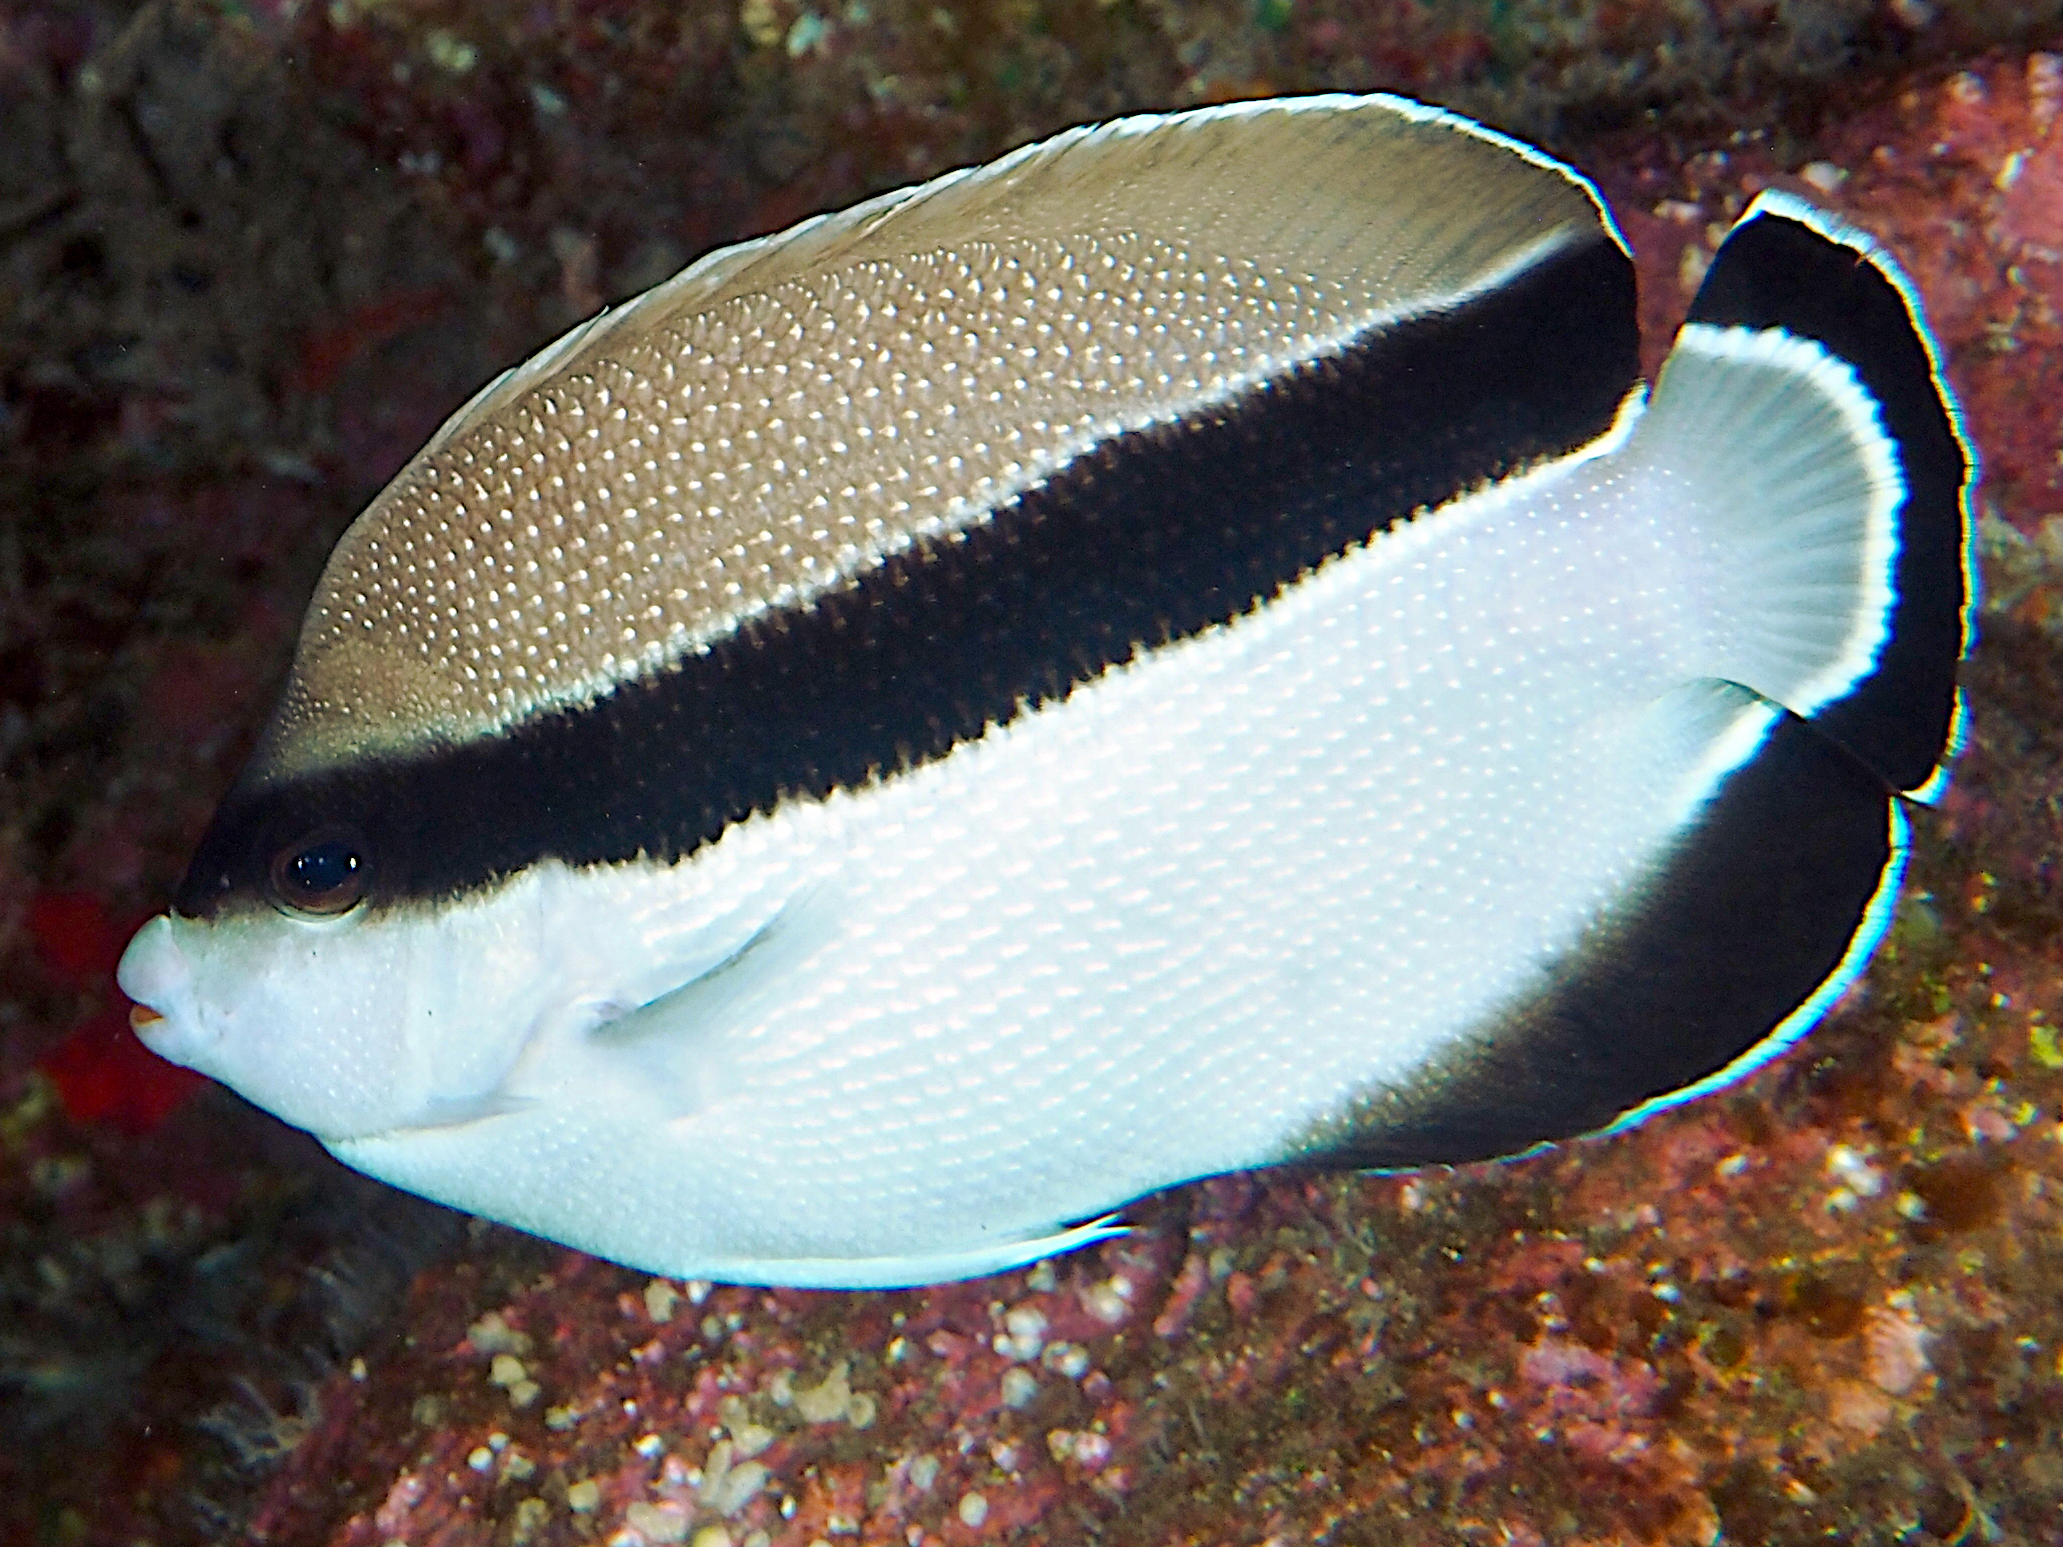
1333, 817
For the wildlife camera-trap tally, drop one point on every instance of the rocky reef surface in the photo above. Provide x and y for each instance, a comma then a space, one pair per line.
251, 254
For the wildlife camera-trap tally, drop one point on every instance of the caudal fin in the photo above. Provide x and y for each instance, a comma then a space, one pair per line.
1806, 410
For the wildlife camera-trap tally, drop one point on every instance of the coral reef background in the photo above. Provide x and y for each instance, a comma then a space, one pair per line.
251, 254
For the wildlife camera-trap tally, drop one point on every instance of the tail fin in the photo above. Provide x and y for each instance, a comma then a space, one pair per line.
1805, 400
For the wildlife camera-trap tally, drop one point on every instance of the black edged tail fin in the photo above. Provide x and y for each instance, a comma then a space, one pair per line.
1815, 295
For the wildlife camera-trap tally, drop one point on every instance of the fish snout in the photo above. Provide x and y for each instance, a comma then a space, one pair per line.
155, 973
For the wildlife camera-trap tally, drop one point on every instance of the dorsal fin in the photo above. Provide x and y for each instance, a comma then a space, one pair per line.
789, 413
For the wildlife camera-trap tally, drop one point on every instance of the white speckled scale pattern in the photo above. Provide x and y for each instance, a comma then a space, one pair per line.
806, 426
787, 413
1267, 867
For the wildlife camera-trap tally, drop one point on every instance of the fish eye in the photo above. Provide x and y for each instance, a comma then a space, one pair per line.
322, 873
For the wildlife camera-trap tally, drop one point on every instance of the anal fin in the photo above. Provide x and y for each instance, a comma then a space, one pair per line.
1744, 932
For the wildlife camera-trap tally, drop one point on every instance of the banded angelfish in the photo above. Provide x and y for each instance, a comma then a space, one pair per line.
1187, 648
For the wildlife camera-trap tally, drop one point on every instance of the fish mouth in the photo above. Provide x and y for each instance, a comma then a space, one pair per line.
158, 979
155, 974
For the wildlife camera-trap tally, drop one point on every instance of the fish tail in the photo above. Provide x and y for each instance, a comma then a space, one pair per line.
1805, 404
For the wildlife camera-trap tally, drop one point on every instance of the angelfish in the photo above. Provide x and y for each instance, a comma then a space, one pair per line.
1187, 648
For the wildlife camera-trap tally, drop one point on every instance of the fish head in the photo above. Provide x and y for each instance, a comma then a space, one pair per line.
290, 970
